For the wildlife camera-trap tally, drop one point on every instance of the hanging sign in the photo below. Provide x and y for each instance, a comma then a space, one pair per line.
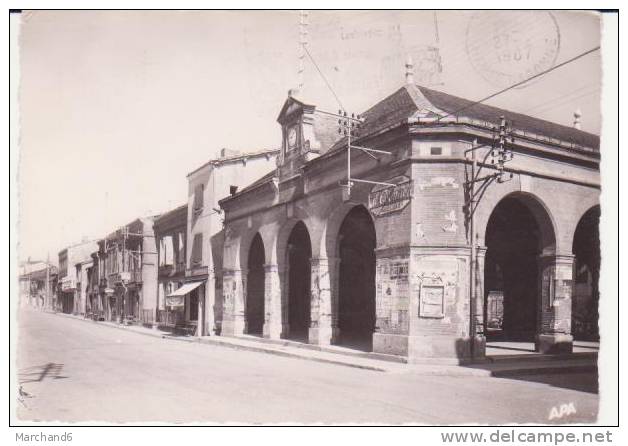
385, 200
175, 301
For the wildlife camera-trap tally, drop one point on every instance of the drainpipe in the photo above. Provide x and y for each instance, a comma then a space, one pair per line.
472, 296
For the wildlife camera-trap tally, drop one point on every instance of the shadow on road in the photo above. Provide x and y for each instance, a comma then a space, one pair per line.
581, 382
40, 372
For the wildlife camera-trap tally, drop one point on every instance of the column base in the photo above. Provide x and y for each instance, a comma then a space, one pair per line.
420, 349
448, 348
274, 331
322, 335
556, 343
390, 344
233, 328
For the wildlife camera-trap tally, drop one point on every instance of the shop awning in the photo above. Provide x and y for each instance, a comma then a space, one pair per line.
185, 289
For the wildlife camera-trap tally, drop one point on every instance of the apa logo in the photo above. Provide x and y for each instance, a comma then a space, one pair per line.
562, 411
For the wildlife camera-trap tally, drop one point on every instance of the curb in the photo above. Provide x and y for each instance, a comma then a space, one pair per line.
401, 367
232, 346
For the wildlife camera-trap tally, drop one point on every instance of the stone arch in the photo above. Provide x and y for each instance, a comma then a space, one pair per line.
520, 238
538, 208
329, 237
246, 239
356, 242
254, 303
587, 257
294, 254
277, 253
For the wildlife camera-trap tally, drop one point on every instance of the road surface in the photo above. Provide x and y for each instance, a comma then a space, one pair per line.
74, 370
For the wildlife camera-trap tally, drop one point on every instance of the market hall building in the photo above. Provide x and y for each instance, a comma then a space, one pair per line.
386, 267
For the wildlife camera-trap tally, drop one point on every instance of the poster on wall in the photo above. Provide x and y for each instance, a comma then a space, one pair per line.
432, 301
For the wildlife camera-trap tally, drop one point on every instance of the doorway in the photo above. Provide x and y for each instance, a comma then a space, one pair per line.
356, 306
514, 241
255, 287
299, 277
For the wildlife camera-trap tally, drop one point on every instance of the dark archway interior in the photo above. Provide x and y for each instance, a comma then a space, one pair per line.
299, 277
511, 273
585, 298
255, 287
356, 319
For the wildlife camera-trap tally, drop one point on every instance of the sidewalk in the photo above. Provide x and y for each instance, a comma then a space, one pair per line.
504, 366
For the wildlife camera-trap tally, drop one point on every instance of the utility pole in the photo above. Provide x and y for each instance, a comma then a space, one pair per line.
499, 156
349, 126
47, 300
303, 15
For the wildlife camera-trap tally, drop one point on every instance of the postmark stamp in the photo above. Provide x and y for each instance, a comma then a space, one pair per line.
507, 47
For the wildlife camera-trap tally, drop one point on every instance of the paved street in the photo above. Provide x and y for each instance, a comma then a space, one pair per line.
75, 370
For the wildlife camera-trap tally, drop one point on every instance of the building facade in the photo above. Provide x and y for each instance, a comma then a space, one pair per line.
37, 285
170, 235
70, 298
441, 212
129, 273
205, 236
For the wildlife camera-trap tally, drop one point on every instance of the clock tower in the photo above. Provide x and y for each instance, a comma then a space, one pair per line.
299, 143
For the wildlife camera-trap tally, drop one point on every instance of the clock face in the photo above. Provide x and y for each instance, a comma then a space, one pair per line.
292, 137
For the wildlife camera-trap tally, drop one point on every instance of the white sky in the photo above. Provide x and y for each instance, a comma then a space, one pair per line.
117, 107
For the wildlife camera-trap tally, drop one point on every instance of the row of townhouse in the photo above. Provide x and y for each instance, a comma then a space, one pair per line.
425, 227
159, 270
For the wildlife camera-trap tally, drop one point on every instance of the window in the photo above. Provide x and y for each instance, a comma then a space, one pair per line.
198, 197
196, 259
181, 250
436, 150
166, 251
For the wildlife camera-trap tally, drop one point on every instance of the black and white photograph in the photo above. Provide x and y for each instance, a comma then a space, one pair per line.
314, 217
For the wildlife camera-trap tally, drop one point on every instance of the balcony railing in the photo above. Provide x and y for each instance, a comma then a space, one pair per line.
170, 318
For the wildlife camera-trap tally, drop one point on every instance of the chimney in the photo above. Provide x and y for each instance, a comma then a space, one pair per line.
409, 71
233, 190
576, 119
293, 93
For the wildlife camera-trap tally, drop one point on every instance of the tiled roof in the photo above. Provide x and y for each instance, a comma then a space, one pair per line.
409, 99
180, 213
449, 104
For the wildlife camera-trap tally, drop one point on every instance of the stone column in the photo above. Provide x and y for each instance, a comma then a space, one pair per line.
323, 326
234, 289
479, 347
274, 327
480, 309
554, 320
284, 286
208, 293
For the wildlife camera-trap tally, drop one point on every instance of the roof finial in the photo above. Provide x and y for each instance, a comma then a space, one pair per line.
409, 71
576, 118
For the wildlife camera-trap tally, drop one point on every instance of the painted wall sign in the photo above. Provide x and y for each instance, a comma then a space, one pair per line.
384, 200
432, 302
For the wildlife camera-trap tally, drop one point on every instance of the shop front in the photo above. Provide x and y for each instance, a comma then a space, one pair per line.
182, 308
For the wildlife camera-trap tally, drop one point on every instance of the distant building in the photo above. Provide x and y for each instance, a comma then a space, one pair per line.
170, 237
70, 299
128, 273
37, 284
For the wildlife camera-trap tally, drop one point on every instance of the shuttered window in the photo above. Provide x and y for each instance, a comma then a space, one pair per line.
196, 258
181, 250
198, 197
